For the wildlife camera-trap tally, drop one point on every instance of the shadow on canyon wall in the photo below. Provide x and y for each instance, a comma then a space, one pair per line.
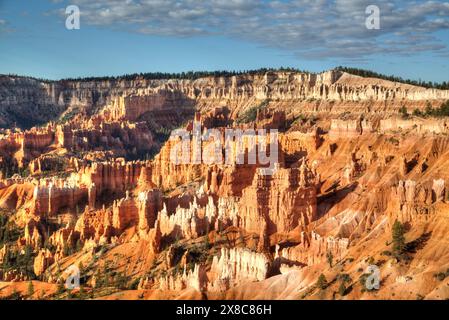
332, 197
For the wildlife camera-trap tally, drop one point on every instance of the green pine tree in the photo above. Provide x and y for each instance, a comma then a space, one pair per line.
330, 258
78, 245
82, 293
81, 267
15, 295
322, 282
61, 288
30, 289
398, 238
403, 112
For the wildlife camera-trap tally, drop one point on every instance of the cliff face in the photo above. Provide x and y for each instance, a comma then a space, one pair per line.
129, 99
332, 91
28, 101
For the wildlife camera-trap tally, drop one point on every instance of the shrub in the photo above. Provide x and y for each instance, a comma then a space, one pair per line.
442, 111
30, 289
322, 282
403, 112
134, 284
417, 113
342, 289
344, 278
121, 281
200, 253
393, 141
82, 293
61, 288
330, 258
251, 114
441, 275
15, 295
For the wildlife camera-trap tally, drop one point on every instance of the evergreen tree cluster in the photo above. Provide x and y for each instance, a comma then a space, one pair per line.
371, 74
22, 262
250, 115
442, 111
193, 75
189, 75
8, 231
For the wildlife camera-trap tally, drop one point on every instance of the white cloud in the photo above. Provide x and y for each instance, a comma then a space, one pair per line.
310, 28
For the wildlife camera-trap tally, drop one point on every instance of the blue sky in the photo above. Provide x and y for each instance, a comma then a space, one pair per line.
118, 37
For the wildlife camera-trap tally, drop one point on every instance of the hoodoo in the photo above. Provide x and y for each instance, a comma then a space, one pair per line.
353, 184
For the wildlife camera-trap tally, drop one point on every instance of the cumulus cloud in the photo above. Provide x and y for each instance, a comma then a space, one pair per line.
309, 28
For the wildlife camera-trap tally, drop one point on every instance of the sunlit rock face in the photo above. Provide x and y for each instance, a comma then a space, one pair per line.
38, 101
